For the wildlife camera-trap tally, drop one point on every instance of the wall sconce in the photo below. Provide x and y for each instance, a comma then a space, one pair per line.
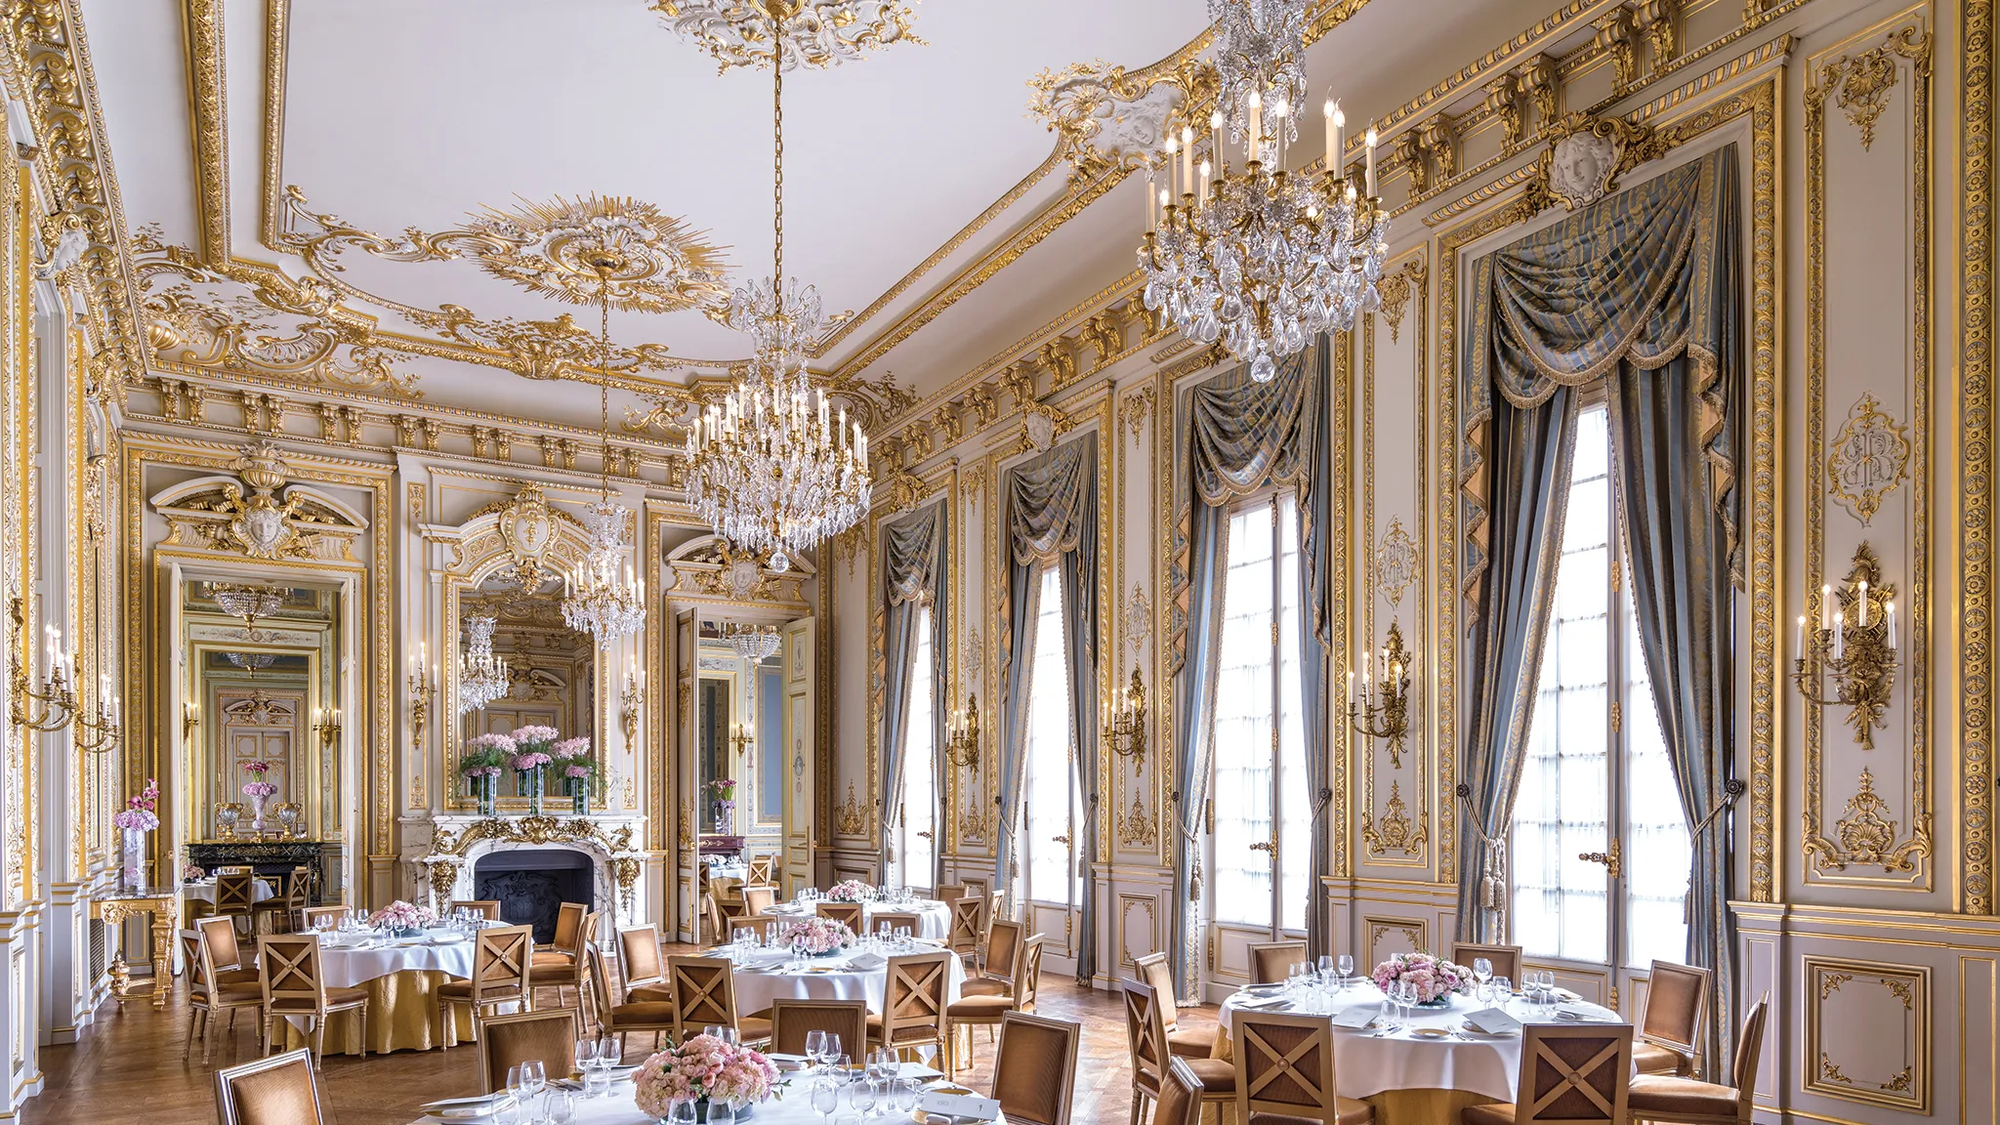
961, 734
58, 701
741, 736
327, 726
99, 731
1856, 643
190, 719
421, 690
630, 701
1383, 708
1125, 724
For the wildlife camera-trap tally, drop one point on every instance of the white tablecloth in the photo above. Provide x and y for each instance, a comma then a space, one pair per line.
349, 966
205, 891
934, 917
829, 978
621, 1108
1365, 1063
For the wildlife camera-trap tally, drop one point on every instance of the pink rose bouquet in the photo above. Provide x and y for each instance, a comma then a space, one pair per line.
849, 890
193, 873
816, 935
142, 811
703, 1069
258, 768
259, 788
1434, 977
401, 916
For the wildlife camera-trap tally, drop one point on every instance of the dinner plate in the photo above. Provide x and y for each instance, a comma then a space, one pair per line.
1429, 1033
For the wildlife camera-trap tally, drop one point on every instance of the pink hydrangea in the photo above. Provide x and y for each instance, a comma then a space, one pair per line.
259, 788
1433, 977
703, 1068
579, 773
533, 759
536, 736
571, 748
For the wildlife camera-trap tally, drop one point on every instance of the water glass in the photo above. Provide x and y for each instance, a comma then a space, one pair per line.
861, 1095
825, 1097
534, 1078
586, 1055
815, 1048
721, 1113
1345, 967
681, 1114
560, 1108
908, 1093
1503, 989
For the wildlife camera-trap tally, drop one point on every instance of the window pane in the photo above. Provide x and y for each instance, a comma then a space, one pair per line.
1048, 796
1295, 896
1241, 745
920, 768
1658, 854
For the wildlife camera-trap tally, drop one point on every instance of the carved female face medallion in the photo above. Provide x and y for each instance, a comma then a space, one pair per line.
1580, 168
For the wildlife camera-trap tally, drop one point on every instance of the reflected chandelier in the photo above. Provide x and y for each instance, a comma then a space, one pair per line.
754, 643
247, 600
768, 466
602, 596
482, 677
1263, 260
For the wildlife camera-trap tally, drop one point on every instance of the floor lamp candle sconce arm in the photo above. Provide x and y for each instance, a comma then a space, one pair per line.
1382, 708
1855, 643
57, 699
1125, 725
961, 739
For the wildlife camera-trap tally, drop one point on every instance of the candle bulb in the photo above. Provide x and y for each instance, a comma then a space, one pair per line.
1890, 609
1350, 688
1371, 161
1152, 216
1863, 587
1826, 607
1187, 159
1799, 641
1256, 115
1173, 168
1215, 137
1204, 182
1332, 133
1840, 634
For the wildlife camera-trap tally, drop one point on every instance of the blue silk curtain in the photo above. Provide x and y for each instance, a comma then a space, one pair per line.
915, 554
1051, 519
1233, 437
1642, 290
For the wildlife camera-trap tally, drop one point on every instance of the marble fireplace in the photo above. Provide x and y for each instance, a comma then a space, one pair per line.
533, 863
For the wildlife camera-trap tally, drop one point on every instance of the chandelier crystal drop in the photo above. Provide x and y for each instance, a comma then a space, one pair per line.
1260, 258
771, 466
483, 677
602, 596
754, 643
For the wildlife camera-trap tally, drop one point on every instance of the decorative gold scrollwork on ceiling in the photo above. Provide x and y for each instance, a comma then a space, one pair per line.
581, 250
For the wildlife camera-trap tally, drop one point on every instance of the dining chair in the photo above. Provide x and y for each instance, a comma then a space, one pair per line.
641, 969
268, 1091
294, 987
759, 900
1506, 958
792, 1018
1685, 1101
1284, 1070
566, 971
501, 971
950, 892
561, 949
763, 869
1034, 1069
280, 910
1146, 1036
968, 1012
217, 983
1182, 1042
309, 916
913, 1005
1179, 1102
711, 917
235, 869
487, 908
1575, 1074
895, 919
1676, 1000
614, 1018
508, 1041
1271, 961
703, 991
965, 928
1003, 947
974, 886
848, 914
235, 895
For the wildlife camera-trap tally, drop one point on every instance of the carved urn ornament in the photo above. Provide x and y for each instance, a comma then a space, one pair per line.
261, 523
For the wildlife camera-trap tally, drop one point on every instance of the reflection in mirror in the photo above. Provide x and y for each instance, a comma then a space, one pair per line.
740, 701
262, 716
519, 665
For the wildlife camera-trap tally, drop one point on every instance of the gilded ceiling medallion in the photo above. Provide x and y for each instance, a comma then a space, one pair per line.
815, 33
580, 251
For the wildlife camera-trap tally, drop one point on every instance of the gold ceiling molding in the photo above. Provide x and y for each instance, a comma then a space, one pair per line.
580, 251
1106, 118
201, 27
814, 33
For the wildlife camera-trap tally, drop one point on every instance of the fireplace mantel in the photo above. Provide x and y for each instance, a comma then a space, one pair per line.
613, 840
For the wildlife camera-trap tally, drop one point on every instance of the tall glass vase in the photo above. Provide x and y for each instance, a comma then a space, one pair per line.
579, 795
132, 859
482, 791
531, 788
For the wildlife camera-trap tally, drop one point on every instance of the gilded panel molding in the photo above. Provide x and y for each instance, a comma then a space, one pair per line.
1975, 454
1868, 459
1859, 1002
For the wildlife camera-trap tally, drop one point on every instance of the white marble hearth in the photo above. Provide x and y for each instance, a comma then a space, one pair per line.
445, 863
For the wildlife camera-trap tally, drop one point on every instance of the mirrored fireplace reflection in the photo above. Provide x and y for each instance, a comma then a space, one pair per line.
531, 884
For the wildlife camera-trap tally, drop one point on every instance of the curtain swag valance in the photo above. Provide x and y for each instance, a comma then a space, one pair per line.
1048, 498
914, 555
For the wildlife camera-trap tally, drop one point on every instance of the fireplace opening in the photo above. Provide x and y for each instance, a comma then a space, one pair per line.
531, 885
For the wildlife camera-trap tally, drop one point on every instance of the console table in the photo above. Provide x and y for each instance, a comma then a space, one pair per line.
164, 904
264, 857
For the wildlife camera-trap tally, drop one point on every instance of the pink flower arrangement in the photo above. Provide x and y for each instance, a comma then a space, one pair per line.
536, 737
259, 788
258, 768
400, 915
577, 772
193, 873
531, 760
571, 748
849, 890
142, 811
703, 1069
1434, 977
816, 935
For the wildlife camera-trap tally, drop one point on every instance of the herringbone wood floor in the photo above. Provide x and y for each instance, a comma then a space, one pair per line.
128, 1068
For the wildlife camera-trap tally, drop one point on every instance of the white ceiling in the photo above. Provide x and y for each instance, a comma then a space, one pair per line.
415, 113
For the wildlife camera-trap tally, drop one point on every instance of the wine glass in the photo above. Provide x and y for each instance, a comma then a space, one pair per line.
1482, 972
1345, 967
825, 1097
862, 1097
815, 1048
586, 1055
682, 1113
1325, 966
534, 1079
832, 1056
610, 1052
908, 1093
560, 1108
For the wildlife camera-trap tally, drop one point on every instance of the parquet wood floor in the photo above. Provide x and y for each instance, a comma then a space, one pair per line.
128, 1068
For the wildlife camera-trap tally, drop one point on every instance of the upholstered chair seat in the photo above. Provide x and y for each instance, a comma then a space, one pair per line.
651, 994
986, 986
1190, 1043
1218, 1076
904, 1033
1666, 1096
335, 998
558, 960
239, 990
1652, 1058
1353, 1111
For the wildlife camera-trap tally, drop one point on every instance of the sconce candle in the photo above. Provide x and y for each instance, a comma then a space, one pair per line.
1862, 666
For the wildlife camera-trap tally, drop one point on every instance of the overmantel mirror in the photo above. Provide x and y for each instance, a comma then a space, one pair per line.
742, 660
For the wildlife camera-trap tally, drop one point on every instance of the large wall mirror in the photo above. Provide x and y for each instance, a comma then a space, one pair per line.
518, 665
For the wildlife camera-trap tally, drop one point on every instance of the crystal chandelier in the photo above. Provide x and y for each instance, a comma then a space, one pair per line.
816, 33
754, 643
251, 661
602, 596
482, 676
247, 600
768, 466
1263, 260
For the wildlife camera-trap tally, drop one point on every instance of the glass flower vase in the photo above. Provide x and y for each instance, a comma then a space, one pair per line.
531, 787
482, 791
579, 796
132, 859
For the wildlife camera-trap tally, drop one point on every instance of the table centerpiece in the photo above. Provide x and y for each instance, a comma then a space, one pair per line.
818, 937
850, 890
531, 758
485, 756
572, 757
1435, 978
704, 1070
403, 919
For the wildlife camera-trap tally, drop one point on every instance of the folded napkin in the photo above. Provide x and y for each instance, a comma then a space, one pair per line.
1354, 1019
761, 958
1263, 1003
867, 960
1566, 994
961, 1107
917, 1071
1493, 1021
467, 1103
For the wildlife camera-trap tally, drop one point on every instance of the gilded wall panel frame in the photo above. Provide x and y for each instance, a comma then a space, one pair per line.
1840, 994
1903, 40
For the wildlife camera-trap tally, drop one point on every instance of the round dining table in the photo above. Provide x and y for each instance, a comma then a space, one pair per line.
933, 916
1405, 1075
401, 977
620, 1106
761, 977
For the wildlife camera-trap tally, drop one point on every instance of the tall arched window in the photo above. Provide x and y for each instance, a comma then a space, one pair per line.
917, 824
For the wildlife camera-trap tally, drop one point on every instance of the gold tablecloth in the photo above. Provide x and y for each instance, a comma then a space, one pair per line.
402, 1016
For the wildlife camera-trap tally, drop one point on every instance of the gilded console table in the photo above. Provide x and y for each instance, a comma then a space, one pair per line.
165, 906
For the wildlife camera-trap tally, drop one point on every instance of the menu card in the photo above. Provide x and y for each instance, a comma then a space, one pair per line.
1493, 1021
964, 1107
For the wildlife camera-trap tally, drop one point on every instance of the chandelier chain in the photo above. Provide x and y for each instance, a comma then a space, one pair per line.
777, 171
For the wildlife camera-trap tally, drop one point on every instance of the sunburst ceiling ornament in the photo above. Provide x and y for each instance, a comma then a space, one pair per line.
581, 251
815, 33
